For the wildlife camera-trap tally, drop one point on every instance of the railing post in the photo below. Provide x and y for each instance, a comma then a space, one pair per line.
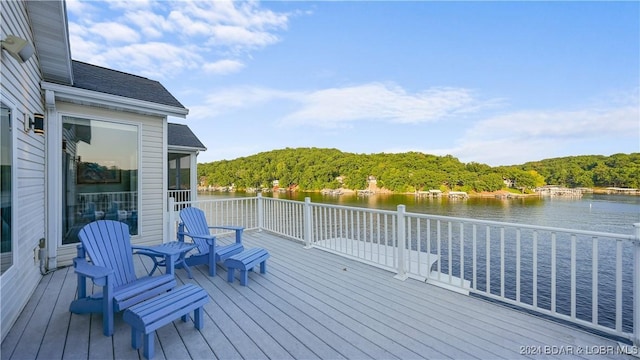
307, 222
402, 273
171, 230
636, 286
260, 212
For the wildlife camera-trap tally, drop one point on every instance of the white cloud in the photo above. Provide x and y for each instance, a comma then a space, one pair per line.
114, 32
152, 59
520, 136
79, 8
340, 107
151, 25
130, 5
604, 126
215, 28
223, 67
377, 101
239, 37
559, 124
244, 97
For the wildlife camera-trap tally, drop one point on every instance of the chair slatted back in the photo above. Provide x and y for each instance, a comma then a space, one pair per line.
196, 223
108, 244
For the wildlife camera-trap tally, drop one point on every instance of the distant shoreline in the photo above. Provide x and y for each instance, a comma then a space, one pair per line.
486, 194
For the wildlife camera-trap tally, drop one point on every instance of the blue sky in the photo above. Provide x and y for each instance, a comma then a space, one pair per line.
499, 83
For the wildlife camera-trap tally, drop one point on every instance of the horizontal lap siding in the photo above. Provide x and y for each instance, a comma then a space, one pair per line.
152, 196
21, 90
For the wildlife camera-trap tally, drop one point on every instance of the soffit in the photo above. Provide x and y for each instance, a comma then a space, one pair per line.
51, 39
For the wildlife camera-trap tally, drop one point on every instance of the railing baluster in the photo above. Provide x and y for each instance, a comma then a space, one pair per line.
439, 245
429, 244
386, 240
358, 231
394, 240
475, 258
462, 259
573, 277
594, 282
518, 259
307, 222
378, 235
619, 286
353, 230
502, 262
315, 234
535, 269
331, 228
371, 233
553, 272
342, 236
325, 226
488, 259
419, 246
450, 250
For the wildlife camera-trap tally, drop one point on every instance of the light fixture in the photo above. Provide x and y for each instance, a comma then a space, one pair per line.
17, 47
37, 123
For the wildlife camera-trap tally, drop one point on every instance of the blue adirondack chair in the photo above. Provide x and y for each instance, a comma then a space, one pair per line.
108, 245
199, 231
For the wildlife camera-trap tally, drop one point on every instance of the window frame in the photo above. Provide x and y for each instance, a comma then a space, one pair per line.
14, 181
114, 120
185, 154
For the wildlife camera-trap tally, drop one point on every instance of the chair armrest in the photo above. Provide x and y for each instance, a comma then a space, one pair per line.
97, 274
237, 229
227, 227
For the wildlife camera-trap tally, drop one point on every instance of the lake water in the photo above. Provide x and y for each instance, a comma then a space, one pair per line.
593, 212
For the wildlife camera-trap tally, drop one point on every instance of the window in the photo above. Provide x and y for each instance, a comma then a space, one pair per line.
6, 195
179, 181
100, 174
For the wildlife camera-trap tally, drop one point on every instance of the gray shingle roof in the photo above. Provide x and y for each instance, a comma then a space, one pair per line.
108, 81
181, 135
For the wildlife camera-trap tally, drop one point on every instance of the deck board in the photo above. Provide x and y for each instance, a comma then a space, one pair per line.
311, 304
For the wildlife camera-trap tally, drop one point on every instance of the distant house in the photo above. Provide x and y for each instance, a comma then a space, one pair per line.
78, 142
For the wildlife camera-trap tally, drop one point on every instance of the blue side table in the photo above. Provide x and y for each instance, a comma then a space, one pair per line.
175, 250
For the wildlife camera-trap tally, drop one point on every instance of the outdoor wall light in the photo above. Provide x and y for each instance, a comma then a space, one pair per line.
37, 123
19, 48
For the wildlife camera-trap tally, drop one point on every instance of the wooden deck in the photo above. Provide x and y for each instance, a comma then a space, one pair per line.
310, 304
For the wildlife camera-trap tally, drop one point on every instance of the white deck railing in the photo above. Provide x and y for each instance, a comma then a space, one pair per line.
179, 195
588, 278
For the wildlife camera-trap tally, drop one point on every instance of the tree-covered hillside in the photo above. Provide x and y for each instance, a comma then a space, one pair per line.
315, 169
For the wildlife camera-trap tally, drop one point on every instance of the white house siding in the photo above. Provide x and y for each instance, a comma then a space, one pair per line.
151, 186
20, 89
